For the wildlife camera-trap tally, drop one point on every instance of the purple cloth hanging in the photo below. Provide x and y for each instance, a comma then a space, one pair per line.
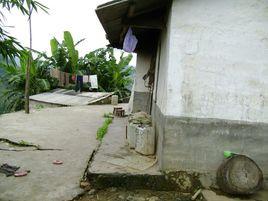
130, 41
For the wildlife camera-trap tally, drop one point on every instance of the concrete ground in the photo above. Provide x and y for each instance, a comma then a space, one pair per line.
115, 157
72, 129
64, 97
117, 194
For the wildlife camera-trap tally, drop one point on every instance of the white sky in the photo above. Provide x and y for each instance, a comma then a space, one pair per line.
77, 16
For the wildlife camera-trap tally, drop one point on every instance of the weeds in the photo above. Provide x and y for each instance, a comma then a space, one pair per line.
108, 115
104, 128
39, 106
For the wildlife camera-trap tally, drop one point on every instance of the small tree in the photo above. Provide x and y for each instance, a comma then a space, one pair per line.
10, 48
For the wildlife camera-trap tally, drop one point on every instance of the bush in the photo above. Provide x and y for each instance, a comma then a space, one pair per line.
12, 82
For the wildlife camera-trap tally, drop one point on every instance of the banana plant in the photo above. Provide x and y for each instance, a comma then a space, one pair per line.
73, 53
59, 55
65, 55
113, 76
54, 45
13, 81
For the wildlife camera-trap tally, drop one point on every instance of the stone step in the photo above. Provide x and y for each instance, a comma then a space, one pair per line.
175, 181
116, 165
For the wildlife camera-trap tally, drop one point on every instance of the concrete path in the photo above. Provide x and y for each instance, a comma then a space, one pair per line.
72, 129
115, 157
64, 97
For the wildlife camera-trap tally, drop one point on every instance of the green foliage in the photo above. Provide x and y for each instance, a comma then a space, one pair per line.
9, 46
13, 80
59, 57
22, 5
39, 106
64, 55
73, 53
24, 143
104, 128
54, 44
113, 76
108, 115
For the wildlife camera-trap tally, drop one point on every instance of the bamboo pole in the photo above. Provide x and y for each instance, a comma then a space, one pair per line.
29, 63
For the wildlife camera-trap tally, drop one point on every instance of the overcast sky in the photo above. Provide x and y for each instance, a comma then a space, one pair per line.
77, 16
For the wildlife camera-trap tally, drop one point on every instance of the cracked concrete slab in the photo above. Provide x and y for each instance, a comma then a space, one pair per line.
72, 129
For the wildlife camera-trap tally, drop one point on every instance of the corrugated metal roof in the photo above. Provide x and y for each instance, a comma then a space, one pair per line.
112, 16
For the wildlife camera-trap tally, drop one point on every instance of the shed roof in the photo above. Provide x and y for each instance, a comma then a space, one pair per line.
116, 16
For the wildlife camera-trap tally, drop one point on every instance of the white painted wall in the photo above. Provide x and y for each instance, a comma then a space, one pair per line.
142, 67
216, 60
162, 65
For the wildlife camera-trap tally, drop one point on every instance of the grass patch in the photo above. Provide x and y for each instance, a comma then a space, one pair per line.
104, 128
39, 106
108, 115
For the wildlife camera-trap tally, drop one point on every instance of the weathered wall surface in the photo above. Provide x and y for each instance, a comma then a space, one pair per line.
213, 84
141, 99
197, 144
162, 63
160, 88
218, 65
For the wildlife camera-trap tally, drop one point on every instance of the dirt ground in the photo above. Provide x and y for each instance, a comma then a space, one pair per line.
115, 194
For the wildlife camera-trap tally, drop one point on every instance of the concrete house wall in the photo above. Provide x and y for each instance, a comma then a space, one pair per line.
212, 84
141, 99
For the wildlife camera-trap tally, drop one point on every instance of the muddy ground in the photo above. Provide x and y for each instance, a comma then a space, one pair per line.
116, 194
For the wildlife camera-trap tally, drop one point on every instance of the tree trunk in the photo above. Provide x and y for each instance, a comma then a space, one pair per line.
29, 63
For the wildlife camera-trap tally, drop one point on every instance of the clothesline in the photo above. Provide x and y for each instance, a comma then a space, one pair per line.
64, 78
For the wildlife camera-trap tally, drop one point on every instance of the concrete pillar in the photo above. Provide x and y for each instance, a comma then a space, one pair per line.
142, 95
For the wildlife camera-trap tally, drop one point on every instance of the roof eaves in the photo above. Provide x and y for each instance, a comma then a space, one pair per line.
111, 3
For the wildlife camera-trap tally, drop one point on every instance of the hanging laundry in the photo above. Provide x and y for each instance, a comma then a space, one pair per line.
67, 79
74, 78
79, 83
85, 79
55, 73
130, 41
93, 81
62, 79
